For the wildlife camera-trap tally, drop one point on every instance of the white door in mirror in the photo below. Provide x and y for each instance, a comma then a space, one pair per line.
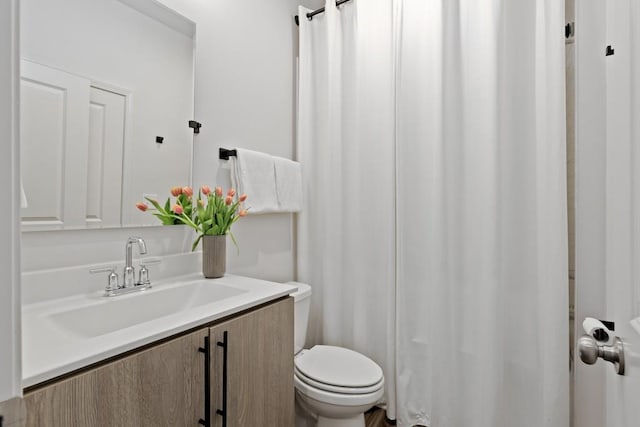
106, 145
54, 129
72, 142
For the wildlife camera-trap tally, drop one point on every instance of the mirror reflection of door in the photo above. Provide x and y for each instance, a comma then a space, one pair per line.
107, 116
54, 126
72, 140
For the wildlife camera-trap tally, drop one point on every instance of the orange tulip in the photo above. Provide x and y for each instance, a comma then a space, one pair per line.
142, 206
176, 191
231, 192
177, 209
243, 197
219, 191
228, 200
243, 212
187, 191
205, 190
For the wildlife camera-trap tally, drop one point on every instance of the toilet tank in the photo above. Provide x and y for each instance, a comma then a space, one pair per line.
302, 305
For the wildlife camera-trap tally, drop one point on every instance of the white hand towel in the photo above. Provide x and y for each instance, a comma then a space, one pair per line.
288, 184
253, 173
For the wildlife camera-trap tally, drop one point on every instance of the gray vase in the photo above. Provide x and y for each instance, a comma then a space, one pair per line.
214, 256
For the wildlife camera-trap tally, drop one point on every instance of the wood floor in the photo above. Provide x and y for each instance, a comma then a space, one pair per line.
376, 417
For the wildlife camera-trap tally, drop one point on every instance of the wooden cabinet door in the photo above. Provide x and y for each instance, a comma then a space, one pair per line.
160, 386
259, 368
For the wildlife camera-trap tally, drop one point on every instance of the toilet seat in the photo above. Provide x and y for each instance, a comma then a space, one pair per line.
338, 389
338, 399
339, 367
338, 376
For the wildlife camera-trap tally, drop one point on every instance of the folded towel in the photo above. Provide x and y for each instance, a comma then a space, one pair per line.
253, 173
288, 184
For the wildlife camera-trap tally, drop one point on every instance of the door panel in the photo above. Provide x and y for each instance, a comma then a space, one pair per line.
106, 145
260, 389
608, 204
54, 129
160, 386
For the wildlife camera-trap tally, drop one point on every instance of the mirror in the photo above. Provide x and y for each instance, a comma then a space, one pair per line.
106, 97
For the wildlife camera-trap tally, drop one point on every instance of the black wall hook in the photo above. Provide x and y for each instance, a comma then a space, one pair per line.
195, 126
224, 153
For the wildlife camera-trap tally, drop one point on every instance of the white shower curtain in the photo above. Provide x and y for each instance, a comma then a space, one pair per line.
434, 236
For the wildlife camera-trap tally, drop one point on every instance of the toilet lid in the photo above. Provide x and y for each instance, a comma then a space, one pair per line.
338, 366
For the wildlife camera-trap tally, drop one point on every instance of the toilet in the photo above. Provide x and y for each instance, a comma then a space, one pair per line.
334, 385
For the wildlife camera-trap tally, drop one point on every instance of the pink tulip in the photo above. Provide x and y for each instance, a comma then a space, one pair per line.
243, 212
219, 191
142, 206
243, 197
205, 190
231, 192
187, 191
177, 209
176, 191
228, 200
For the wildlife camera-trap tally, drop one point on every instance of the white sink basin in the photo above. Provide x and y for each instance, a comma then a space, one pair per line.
115, 313
66, 334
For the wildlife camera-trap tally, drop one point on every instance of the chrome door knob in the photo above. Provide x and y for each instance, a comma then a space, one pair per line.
590, 351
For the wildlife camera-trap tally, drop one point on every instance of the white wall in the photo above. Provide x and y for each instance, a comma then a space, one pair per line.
9, 226
245, 97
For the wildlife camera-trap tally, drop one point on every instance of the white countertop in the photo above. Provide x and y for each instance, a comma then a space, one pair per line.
50, 350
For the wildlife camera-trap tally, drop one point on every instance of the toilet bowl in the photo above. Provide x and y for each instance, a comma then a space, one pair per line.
334, 385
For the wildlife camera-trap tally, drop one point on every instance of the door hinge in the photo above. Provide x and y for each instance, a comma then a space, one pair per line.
569, 30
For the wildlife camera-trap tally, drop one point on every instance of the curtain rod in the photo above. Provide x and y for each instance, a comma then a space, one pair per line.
310, 15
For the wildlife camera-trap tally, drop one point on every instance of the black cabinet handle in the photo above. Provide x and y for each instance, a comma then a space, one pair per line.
207, 383
225, 345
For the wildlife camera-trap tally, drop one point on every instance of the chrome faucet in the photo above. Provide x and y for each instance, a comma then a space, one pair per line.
129, 274
129, 284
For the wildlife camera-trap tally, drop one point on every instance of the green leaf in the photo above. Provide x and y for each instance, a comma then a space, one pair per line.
233, 239
195, 244
164, 219
202, 214
155, 204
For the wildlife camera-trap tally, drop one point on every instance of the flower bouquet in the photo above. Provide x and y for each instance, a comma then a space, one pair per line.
212, 215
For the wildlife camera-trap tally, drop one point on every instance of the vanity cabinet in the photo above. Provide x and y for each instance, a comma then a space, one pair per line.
253, 384
160, 386
166, 384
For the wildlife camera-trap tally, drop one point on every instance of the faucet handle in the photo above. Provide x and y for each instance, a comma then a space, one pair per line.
143, 273
112, 280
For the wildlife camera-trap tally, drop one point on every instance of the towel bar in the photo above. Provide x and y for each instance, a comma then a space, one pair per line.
225, 153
